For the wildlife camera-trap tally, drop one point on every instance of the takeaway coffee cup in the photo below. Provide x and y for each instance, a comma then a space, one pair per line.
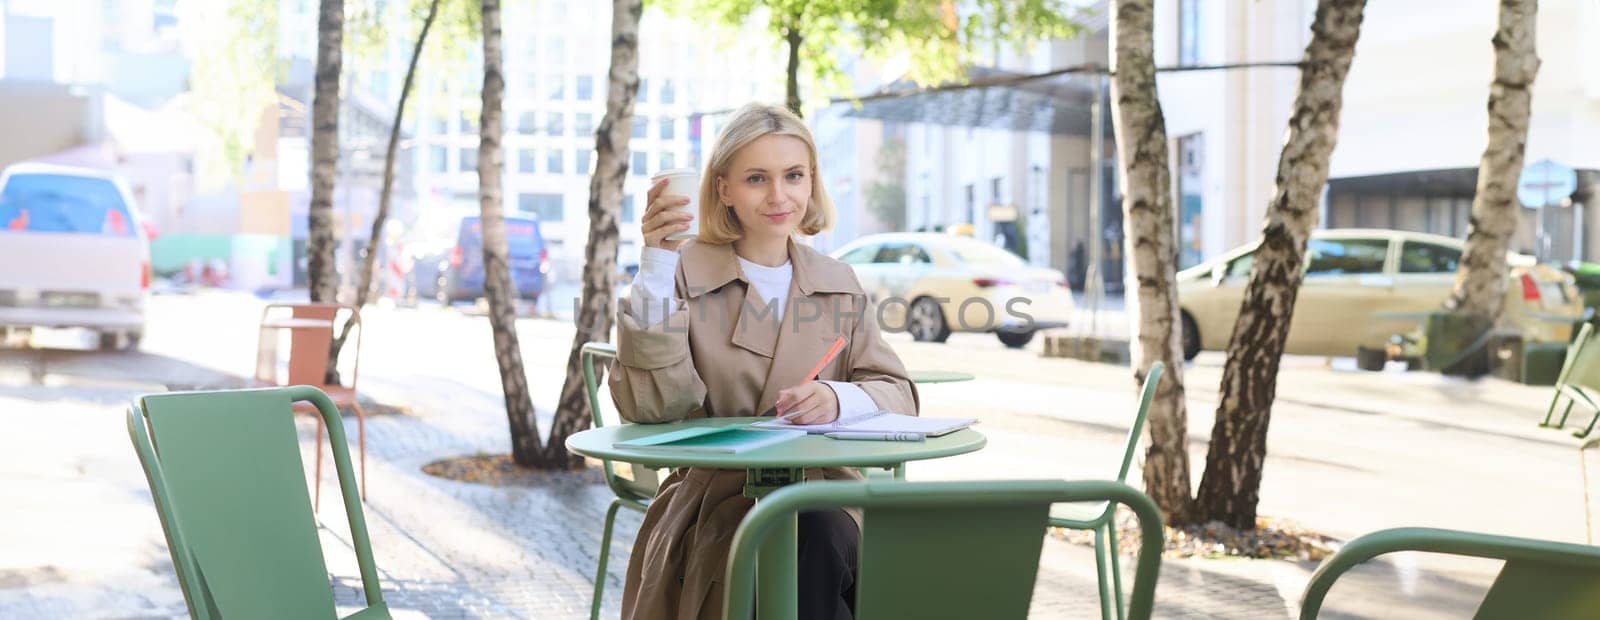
682, 182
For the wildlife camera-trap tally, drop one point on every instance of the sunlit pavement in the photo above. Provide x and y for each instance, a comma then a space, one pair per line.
1349, 452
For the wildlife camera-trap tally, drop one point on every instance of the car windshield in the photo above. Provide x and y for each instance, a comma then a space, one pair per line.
522, 235
975, 253
64, 203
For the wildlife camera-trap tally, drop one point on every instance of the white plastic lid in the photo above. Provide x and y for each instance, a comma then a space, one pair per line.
672, 172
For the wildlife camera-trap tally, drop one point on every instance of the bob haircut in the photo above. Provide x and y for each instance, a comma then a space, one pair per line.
718, 224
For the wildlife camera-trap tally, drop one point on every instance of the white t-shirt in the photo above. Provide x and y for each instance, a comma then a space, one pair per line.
651, 297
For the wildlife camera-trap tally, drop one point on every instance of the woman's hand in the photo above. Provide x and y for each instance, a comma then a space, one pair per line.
814, 400
663, 217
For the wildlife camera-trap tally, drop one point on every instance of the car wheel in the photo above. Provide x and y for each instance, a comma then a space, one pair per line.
927, 321
1191, 337
1015, 340
1370, 359
108, 341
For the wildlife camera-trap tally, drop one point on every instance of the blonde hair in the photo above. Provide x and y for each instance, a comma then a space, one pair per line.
718, 224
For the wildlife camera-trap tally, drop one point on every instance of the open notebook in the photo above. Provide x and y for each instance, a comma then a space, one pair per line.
876, 422
723, 440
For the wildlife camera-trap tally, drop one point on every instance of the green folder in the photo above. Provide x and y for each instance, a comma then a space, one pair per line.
725, 439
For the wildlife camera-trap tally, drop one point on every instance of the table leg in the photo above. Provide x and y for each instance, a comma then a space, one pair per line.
777, 595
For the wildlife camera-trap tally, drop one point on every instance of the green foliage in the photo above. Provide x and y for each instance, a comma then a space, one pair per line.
936, 39
451, 56
233, 79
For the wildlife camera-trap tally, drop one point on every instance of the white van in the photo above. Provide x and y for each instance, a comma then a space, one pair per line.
73, 254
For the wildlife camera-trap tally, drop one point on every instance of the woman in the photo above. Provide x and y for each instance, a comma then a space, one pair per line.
726, 325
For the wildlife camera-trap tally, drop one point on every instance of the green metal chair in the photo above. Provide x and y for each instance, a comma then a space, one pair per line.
225, 473
1579, 381
1540, 578
933, 550
633, 493
1101, 516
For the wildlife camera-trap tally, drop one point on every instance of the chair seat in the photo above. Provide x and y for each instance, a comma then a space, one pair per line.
1077, 515
375, 612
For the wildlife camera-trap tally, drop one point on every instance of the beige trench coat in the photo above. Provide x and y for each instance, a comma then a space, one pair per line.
721, 352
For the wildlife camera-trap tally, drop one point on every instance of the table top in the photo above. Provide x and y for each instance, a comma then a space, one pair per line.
938, 376
808, 451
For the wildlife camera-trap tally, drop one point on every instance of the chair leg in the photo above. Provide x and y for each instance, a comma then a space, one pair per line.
1551, 411
1116, 567
316, 502
605, 552
1565, 413
1100, 573
361, 441
1590, 428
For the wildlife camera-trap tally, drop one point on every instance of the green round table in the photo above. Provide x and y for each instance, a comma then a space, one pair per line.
938, 376
766, 469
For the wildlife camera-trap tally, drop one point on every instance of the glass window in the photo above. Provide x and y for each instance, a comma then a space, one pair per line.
467, 124
640, 126
555, 124
1331, 257
667, 94
668, 161
583, 125
668, 128
555, 87
548, 207
1418, 257
64, 203
1188, 32
439, 159
1240, 267
861, 255
901, 253
527, 160
554, 162
556, 53
526, 125
581, 159
441, 125
627, 207
585, 87
469, 159
637, 163
644, 91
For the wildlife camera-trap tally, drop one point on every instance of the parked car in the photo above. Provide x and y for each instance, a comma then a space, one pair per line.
909, 273
462, 278
1362, 287
75, 254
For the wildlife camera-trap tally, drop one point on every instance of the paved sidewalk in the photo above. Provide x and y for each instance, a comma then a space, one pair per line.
83, 541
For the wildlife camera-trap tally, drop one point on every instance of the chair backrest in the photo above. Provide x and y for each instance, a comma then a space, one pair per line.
644, 481
309, 346
1540, 578
228, 483
1582, 367
943, 549
1152, 380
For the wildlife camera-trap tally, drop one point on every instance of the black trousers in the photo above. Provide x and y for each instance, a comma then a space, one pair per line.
828, 562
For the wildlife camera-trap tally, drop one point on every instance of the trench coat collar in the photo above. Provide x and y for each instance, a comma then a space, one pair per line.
710, 266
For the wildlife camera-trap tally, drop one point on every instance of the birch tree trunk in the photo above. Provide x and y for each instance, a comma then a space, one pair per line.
525, 447
369, 258
1480, 288
598, 309
791, 90
324, 277
1152, 252
1230, 487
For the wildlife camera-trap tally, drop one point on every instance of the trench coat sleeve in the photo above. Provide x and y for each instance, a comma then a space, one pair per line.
874, 366
655, 379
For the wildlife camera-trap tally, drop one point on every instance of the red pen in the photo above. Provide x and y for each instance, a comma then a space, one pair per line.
833, 351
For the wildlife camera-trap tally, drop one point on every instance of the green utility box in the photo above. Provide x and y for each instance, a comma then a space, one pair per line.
1541, 362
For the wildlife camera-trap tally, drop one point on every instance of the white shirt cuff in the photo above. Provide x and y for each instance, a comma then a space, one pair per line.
853, 401
650, 297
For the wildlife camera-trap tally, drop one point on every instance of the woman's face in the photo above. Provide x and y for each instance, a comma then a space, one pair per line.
768, 182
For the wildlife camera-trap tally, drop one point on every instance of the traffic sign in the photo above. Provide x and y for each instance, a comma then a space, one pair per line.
1544, 183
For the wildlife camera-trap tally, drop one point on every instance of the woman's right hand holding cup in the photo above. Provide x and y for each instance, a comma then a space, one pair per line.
664, 216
